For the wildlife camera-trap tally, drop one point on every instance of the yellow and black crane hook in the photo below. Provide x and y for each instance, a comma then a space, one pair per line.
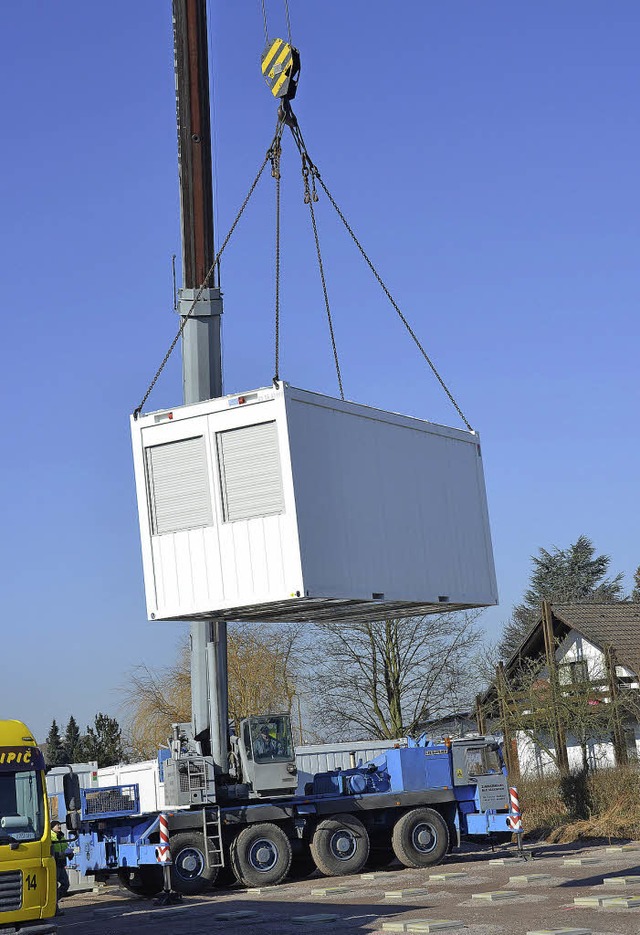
281, 68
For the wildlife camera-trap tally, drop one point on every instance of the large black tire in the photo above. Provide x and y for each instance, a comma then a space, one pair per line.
340, 845
142, 881
189, 872
420, 838
261, 855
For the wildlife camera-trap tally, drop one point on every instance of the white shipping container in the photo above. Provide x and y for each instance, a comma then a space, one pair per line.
147, 776
283, 505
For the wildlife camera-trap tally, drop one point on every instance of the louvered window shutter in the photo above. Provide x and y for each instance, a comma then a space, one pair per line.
179, 493
250, 472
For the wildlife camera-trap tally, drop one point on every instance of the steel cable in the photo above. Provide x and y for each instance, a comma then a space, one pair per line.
275, 172
205, 282
293, 125
394, 303
310, 197
286, 11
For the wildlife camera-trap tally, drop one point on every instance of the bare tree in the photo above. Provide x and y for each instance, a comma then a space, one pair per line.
384, 680
264, 673
581, 704
265, 667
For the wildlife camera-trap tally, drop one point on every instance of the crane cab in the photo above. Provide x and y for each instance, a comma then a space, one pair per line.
267, 756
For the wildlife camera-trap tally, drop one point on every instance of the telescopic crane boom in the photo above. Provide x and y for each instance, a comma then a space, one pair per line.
201, 344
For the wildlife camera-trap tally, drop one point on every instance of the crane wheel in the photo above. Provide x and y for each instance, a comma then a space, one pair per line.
420, 838
261, 855
340, 845
189, 872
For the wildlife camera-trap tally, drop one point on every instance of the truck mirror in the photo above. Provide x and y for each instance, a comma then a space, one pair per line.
71, 788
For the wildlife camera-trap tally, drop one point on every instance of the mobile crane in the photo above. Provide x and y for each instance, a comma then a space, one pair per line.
231, 805
414, 804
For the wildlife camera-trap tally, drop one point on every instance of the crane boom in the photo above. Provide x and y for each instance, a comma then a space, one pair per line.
201, 341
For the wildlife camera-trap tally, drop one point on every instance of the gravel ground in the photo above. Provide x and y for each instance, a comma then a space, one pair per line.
539, 905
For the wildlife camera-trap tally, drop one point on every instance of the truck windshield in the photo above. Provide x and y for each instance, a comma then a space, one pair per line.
271, 740
21, 806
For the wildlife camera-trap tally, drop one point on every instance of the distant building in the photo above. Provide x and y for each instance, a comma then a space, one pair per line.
597, 660
456, 724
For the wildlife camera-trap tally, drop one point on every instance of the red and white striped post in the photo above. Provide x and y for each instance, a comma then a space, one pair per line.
163, 853
163, 856
515, 816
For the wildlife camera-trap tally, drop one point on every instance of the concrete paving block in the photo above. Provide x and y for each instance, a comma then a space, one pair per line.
632, 880
621, 902
580, 861
494, 896
433, 925
403, 894
530, 878
589, 902
422, 925
378, 875
444, 877
318, 918
330, 890
499, 861
240, 915
565, 931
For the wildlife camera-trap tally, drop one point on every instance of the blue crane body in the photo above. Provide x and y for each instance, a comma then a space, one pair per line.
413, 803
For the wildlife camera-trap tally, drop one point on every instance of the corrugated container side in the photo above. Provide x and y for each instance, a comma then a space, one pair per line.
388, 505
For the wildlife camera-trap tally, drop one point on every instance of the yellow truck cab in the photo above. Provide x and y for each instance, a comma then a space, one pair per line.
27, 869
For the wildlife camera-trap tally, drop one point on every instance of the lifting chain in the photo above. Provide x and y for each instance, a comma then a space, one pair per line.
205, 282
309, 169
275, 156
311, 196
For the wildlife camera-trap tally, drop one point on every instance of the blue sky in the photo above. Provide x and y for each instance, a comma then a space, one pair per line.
487, 156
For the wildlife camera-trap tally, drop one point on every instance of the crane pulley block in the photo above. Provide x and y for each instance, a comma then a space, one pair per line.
281, 68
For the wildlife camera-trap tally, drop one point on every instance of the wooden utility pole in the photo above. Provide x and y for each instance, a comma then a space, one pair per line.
559, 735
481, 721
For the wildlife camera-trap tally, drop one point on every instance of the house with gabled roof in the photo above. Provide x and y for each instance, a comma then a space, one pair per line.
584, 697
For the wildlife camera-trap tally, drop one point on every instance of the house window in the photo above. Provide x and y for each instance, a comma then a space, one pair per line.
573, 673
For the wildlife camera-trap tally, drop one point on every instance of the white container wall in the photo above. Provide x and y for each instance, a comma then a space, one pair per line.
145, 773
285, 505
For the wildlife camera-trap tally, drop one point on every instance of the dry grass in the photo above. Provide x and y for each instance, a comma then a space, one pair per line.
614, 812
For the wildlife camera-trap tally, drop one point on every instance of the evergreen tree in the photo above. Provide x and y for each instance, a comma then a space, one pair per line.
103, 742
572, 575
55, 749
72, 740
635, 594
